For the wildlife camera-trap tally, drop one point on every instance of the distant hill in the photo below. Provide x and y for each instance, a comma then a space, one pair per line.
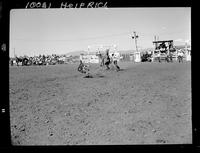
181, 46
76, 53
125, 51
131, 51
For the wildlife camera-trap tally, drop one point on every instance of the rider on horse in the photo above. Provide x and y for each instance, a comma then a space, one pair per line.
107, 59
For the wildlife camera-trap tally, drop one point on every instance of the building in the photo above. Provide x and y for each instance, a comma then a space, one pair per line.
163, 49
89, 58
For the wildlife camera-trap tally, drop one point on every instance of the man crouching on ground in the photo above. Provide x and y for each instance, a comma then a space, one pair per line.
82, 68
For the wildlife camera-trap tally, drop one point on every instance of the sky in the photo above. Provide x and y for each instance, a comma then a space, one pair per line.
59, 31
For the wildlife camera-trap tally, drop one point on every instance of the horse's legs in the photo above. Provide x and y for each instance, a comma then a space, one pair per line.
107, 67
115, 63
179, 59
103, 62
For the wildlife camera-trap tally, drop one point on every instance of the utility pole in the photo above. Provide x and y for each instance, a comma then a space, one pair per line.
88, 49
14, 51
135, 37
155, 43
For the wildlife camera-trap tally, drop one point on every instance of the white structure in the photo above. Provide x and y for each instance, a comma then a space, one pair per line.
188, 57
92, 49
187, 50
93, 59
101, 48
137, 57
188, 54
89, 58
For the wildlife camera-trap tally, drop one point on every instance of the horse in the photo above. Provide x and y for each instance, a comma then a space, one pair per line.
146, 57
101, 59
180, 58
23, 60
18, 59
104, 59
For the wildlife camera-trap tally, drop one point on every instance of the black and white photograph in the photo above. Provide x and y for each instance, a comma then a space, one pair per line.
100, 76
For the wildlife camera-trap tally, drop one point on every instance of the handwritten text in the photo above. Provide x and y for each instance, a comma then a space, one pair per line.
46, 5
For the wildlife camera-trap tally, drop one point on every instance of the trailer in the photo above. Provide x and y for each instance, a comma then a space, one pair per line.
164, 50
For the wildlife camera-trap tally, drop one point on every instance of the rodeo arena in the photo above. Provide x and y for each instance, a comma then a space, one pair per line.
102, 96
164, 51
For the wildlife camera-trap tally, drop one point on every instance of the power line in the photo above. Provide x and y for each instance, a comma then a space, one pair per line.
143, 34
162, 33
80, 39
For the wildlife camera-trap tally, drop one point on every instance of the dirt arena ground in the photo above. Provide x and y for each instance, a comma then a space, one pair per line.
145, 103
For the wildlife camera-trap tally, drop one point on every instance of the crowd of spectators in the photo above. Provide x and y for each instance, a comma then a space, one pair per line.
43, 60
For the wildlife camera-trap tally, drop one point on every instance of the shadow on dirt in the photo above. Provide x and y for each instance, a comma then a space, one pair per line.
88, 76
94, 76
123, 69
101, 75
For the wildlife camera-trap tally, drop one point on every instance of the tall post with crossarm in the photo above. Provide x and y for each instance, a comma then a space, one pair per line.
137, 57
135, 37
